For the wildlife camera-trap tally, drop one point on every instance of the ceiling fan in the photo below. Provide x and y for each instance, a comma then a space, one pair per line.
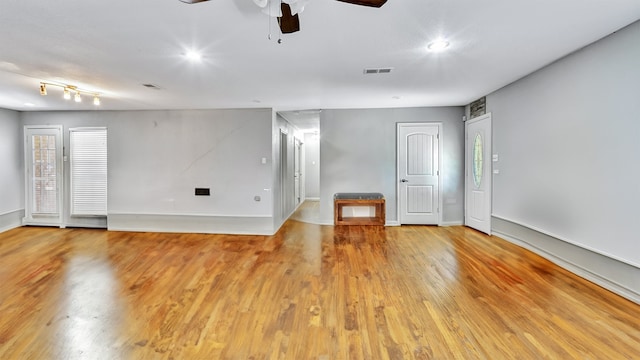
287, 10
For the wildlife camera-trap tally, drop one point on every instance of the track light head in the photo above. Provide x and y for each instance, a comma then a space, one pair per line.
67, 89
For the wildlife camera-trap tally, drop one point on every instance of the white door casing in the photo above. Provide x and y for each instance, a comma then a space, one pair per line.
297, 174
419, 181
44, 175
478, 173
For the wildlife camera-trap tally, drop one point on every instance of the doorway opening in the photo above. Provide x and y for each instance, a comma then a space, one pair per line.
307, 162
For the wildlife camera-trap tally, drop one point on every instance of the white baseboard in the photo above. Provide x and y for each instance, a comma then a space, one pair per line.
611, 274
85, 226
447, 223
206, 224
312, 199
452, 223
11, 220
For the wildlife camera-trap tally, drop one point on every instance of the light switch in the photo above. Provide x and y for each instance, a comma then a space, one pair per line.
263, 160
496, 171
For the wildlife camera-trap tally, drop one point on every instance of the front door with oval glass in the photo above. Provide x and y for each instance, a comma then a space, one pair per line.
478, 174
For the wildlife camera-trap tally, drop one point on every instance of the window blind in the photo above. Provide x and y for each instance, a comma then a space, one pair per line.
88, 160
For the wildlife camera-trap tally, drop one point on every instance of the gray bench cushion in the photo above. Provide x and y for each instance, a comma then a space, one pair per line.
358, 196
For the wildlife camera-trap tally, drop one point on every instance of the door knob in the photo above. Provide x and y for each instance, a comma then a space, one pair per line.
404, 180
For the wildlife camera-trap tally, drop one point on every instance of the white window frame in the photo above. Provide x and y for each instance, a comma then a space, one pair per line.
88, 172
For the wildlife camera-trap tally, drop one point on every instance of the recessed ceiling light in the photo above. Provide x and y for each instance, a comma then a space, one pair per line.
29, 104
438, 45
395, 97
194, 56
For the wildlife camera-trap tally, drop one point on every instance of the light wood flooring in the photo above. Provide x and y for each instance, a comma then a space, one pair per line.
308, 212
309, 292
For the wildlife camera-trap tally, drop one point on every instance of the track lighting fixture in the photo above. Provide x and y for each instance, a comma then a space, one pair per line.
67, 89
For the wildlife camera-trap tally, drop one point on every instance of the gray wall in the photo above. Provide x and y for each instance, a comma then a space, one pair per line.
157, 158
12, 174
358, 152
312, 166
569, 154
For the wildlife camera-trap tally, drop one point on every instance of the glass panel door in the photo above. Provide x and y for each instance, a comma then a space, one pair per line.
43, 151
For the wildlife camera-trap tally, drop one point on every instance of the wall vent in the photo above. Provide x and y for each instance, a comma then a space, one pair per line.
203, 192
377, 71
478, 107
151, 86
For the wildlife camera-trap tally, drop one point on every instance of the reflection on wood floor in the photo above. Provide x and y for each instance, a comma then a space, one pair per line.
309, 292
308, 212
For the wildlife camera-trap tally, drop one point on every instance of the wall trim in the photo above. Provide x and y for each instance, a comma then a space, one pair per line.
11, 220
312, 199
84, 226
544, 232
190, 223
10, 212
453, 223
614, 275
188, 214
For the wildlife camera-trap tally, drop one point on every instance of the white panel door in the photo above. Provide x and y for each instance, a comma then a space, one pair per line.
43, 175
419, 173
478, 174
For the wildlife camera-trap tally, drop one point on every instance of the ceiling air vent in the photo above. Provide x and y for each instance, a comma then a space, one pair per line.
377, 71
151, 86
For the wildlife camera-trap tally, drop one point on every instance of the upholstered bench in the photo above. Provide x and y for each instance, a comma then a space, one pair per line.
340, 200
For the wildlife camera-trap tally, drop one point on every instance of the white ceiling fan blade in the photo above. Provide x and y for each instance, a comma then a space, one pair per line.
297, 7
272, 8
261, 3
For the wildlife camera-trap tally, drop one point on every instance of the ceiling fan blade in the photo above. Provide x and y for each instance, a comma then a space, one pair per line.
288, 23
372, 3
192, 1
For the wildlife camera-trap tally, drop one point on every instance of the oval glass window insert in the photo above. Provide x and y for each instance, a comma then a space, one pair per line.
477, 160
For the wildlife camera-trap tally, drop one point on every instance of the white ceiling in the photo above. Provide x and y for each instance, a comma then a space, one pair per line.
115, 46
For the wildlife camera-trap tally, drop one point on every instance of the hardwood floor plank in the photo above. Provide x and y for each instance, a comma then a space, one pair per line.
308, 292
